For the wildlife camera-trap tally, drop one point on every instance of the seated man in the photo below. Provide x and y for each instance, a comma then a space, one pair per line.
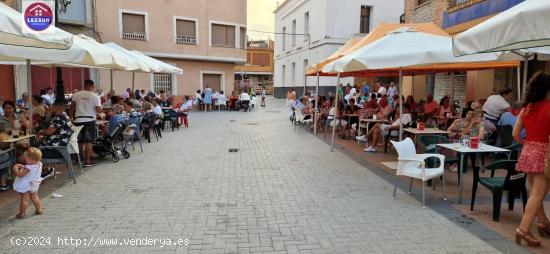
350, 109
380, 130
509, 118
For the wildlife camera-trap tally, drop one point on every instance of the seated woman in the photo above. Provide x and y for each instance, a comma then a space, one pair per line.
445, 111
368, 111
476, 128
380, 130
384, 109
459, 125
38, 113
10, 120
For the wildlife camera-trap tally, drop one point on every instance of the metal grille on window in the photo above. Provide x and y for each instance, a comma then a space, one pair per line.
162, 82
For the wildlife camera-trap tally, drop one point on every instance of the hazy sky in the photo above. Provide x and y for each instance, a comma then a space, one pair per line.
261, 18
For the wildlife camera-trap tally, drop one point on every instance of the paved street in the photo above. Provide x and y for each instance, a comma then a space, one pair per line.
282, 192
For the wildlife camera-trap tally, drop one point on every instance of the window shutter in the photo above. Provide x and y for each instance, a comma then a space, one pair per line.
185, 28
133, 23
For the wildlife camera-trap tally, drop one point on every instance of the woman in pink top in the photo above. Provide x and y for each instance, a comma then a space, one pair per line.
535, 118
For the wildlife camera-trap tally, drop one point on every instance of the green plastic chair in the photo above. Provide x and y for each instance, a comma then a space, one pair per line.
513, 183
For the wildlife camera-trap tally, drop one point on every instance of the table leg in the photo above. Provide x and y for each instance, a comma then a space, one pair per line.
461, 178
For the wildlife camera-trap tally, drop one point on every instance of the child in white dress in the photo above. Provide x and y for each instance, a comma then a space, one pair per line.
28, 180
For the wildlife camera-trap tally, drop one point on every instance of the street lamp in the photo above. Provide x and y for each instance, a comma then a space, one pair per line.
60, 7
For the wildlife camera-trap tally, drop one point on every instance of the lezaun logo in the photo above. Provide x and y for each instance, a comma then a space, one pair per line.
38, 17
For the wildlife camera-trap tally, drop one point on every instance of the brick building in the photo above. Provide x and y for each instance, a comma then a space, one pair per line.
456, 16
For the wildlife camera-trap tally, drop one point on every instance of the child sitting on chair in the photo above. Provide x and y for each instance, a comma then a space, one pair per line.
28, 180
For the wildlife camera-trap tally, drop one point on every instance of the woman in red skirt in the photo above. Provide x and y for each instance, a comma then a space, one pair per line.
535, 118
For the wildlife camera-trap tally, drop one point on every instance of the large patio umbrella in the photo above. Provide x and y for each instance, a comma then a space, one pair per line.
522, 30
164, 67
143, 66
11, 33
395, 51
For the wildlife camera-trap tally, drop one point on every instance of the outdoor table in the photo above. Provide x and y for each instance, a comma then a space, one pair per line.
12, 140
462, 151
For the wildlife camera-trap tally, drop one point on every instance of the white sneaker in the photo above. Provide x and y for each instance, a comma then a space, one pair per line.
370, 149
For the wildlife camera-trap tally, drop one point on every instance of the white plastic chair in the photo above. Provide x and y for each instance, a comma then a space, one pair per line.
412, 165
221, 101
73, 144
253, 102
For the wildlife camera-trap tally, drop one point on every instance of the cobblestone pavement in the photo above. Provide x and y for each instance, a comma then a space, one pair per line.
282, 192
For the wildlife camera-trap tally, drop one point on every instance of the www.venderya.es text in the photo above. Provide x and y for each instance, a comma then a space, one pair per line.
97, 241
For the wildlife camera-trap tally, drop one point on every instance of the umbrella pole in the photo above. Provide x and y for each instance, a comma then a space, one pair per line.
133, 79
29, 96
111, 80
335, 116
316, 113
401, 103
519, 82
452, 100
525, 70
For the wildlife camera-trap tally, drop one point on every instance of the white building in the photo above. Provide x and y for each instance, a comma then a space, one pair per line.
329, 23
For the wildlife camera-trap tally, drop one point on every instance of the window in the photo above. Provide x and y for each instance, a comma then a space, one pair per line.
261, 59
223, 36
306, 25
243, 38
293, 74
133, 26
421, 2
284, 75
284, 38
162, 82
294, 33
365, 19
186, 32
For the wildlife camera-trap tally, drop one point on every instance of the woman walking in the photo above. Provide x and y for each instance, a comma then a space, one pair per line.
535, 118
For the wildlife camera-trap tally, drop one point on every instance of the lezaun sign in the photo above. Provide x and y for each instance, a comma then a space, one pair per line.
38, 16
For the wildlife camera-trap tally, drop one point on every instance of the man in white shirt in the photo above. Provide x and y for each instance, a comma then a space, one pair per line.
497, 104
49, 97
380, 130
382, 89
84, 108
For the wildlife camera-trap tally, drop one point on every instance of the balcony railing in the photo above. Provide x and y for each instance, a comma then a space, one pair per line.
134, 36
453, 5
186, 40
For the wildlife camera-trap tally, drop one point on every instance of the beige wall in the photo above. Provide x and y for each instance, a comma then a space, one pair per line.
186, 84
161, 42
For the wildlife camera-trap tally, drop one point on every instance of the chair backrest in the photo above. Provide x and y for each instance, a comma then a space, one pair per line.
73, 141
514, 179
504, 136
429, 142
405, 148
298, 115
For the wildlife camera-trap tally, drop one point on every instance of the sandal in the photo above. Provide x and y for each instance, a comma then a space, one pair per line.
527, 237
544, 230
39, 212
20, 216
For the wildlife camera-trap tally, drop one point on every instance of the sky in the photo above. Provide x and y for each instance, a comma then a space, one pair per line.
261, 18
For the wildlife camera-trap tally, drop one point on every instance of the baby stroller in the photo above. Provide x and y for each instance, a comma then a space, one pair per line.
107, 146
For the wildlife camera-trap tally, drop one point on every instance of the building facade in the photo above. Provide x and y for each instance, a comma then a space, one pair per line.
258, 70
205, 38
309, 31
456, 16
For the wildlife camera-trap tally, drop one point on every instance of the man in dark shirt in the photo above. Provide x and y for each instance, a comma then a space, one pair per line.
58, 132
